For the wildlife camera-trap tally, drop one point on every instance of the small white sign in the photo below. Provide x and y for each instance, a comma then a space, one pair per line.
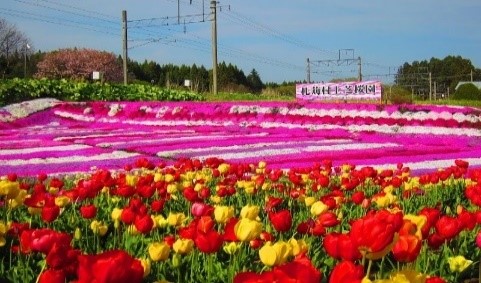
96, 75
187, 83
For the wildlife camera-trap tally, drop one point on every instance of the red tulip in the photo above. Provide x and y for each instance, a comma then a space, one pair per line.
157, 205
358, 197
300, 269
375, 232
52, 276
109, 267
407, 248
435, 279
346, 272
327, 219
205, 224
281, 220
50, 213
209, 242
340, 246
128, 215
144, 224
88, 211
42, 240
448, 227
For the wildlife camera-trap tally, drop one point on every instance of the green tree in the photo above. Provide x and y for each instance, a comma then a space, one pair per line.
254, 81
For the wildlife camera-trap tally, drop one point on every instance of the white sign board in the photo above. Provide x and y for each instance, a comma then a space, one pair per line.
367, 90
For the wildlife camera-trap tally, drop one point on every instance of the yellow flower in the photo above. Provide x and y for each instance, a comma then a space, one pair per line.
458, 263
318, 207
172, 188
160, 221
77, 234
419, 220
384, 201
262, 164
168, 178
231, 248
183, 246
223, 213
275, 254
9, 189
247, 229
131, 180
297, 246
309, 201
215, 199
18, 200
62, 201
116, 213
158, 177
98, 227
175, 219
250, 211
159, 251
223, 168
146, 265
3, 230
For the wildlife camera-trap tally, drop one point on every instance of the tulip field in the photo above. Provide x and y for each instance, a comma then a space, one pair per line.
239, 192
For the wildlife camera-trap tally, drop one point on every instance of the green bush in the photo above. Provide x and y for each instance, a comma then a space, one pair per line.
18, 90
467, 91
398, 95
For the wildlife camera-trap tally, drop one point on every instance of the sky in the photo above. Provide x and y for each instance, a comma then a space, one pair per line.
273, 37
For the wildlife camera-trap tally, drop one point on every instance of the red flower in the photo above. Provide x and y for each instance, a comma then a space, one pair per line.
340, 246
128, 215
375, 232
205, 224
435, 279
252, 277
448, 227
358, 197
144, 223
157, 205
199, 209
327, 219
88, 211
300, 270
272, 203
50, 213
42, 240
191, 195
209, 242
346, 272
461, 163
229, 234
109, 267
52, 276
281, 220
407, 248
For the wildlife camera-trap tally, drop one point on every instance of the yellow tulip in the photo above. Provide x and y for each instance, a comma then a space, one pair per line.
223, 213
98, 227
159, 251
62, 201
297, 246
183, 246
231, 248
146, 265
309, 201
175, 219
318, 207
275, 254
116, 213
458, 263
131, 180
250, 211
168, 178
9, 189
247, 229
223, 168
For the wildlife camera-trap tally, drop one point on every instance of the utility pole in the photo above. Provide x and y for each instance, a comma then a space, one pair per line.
308, 71
213, 6
360, 69
471, 75
430, 90
124, 44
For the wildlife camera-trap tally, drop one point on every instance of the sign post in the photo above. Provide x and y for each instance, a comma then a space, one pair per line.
347, 91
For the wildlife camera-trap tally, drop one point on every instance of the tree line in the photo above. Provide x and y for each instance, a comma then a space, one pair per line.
440, 76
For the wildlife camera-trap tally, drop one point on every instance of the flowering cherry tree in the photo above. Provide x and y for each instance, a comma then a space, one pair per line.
79, 64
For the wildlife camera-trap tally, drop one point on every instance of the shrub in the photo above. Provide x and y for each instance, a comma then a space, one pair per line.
467, 92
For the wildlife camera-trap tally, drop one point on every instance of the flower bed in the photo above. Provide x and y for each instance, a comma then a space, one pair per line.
285, 135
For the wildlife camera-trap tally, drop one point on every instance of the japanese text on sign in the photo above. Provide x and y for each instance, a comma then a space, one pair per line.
370, 90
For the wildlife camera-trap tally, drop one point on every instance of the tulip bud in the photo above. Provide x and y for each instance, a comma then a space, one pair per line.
176, 260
